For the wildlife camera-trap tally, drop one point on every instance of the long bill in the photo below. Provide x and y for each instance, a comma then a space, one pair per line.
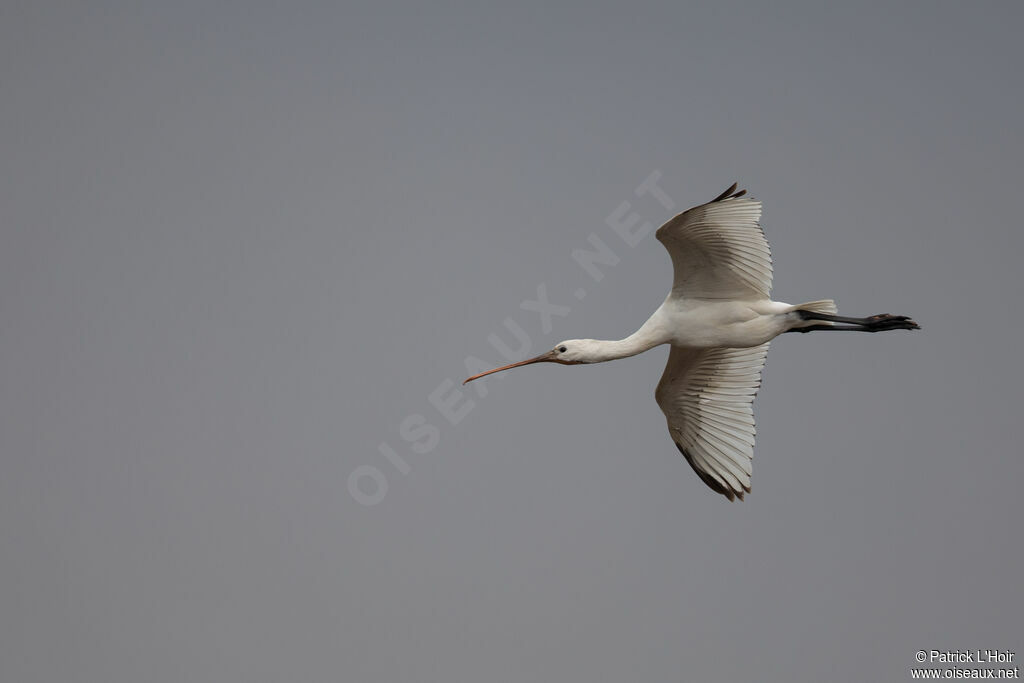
546, 357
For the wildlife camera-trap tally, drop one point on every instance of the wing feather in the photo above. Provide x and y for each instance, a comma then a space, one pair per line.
718, 250
707, 396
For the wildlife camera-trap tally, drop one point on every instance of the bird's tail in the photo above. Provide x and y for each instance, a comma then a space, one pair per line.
826, 306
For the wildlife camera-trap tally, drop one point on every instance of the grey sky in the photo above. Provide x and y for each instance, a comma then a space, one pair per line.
242, 242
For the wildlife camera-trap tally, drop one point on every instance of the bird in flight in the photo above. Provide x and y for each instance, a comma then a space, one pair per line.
719, 320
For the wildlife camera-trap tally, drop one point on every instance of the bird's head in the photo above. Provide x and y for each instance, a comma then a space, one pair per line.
574, 351
568, 352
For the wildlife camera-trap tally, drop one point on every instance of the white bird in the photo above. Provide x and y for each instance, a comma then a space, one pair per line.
719, 320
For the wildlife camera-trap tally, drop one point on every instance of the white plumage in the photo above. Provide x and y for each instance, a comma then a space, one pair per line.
719, 319
719, 251
707, 396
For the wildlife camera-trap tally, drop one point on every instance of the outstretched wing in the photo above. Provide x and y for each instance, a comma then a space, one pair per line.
707, 396
718, 250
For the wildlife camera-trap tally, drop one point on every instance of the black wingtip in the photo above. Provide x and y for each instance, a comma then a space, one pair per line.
712, 483
731, 193
725, 195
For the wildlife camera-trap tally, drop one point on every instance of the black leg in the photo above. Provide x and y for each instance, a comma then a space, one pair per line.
853, 328
873, 320
875, 323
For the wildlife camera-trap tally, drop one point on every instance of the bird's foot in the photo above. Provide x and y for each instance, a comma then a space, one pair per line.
887, 321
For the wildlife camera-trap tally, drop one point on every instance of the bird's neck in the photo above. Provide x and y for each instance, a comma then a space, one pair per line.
647, 337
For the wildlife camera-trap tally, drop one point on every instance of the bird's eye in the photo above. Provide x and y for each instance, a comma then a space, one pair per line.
562, 349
